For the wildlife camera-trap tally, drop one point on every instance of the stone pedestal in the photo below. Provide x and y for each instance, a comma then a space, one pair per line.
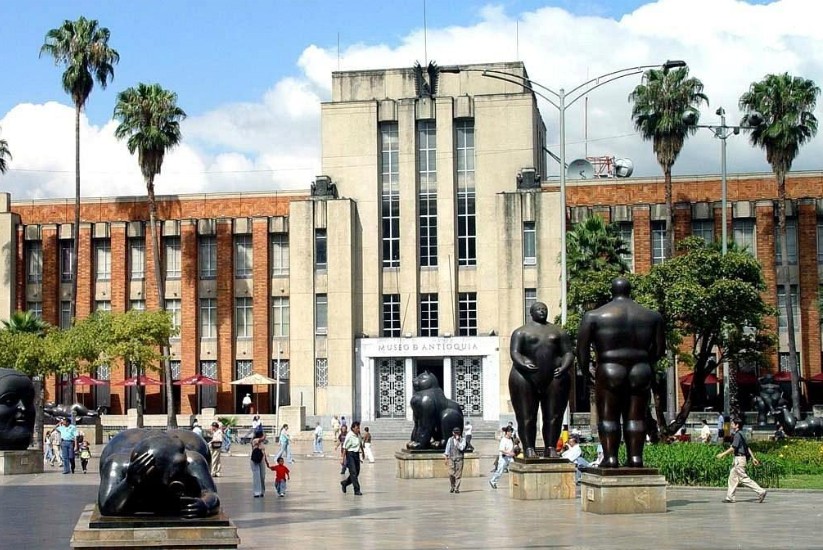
541, 479
29, 461
106, 532
430, 464
294, 416
623, 491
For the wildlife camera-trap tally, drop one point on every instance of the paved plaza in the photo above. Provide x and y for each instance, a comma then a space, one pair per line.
39, 512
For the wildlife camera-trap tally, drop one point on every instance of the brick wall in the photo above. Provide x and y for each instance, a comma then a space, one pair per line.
189, 322
225, 316
261, 353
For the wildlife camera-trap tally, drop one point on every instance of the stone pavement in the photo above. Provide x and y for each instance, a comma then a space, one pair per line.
39, 512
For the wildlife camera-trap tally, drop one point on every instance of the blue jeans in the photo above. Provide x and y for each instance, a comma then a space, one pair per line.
318, 445
67, 454
580, 463
285, 452
502, 464
280, 486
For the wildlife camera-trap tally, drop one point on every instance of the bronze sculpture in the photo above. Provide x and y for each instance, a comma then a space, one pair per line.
542, 356
810, 427
81, 413
628, 339
16, 410
435, 415
769, 401
158, 473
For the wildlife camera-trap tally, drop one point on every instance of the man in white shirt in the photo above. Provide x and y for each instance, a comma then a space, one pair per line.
247, 404
506, 450
705, 433
318, 439
575, 454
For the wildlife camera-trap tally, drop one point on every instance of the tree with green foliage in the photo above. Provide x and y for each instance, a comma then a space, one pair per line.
150, 119
81, 46
5, 156
779, 111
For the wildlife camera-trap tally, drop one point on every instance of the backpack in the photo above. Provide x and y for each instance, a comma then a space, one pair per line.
257, 455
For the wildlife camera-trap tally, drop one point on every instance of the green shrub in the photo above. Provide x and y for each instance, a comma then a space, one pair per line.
797, 456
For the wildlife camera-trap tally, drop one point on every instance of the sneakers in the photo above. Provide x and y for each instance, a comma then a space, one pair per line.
451, 490
493, 484
762, 496
457, 491
282, 494
343, 486
727, 501
358, 494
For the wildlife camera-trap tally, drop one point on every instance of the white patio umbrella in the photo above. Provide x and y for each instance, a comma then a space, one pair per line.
255, 379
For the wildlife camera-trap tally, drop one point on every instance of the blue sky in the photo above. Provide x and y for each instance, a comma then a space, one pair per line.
251, 76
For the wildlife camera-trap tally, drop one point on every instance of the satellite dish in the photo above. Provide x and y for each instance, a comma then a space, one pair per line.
580, 169
623, 168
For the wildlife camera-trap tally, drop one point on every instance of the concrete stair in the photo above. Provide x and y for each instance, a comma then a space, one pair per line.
401, 429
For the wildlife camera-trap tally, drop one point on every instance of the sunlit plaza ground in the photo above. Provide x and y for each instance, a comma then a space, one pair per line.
40, 511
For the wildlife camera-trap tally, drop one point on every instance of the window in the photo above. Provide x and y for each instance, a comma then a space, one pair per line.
243, 368
321, 314
530, 298
34, 261
243, 310
280, 316
279, 254
783, 361
137, 259
427, 195
65, 315
820, 241
321, 257
243, 257
391, 315
791, 237
102, 305
428, 315
466, 223
102, 259
174, 366
208, 394
208, 318
743, 234
207, 257
467, 313
173, 307
658, 242
36, 309
625, 230
390, 194
173, 260
703, 229
321, 372
66, 254
529, 244
137, 305
782, 319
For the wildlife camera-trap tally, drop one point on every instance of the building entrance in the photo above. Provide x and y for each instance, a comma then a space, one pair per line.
391, 388
432, 364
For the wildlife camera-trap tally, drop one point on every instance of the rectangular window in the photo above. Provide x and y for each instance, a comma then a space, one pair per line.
743, 234
530, 298
820, 241
658, 242
207, 257
321, 256
243, 310
280, 316
429, 324
102, 305
137, 259
791, 237
321, 373
279, 254
137, 305
391, 315
782, 319
173, 259
243, 368
321, 314
467, 313
66, 254
36, 309
529, 243
783, 361
174, 307
208, 318
208, 394
65, 315
466, 209
243, 257
427, 194
390, 194
703, 229
174, 366
102, 259
625, 230
34, 261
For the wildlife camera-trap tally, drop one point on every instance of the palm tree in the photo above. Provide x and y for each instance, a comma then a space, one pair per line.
150, 118
779, 111
665, 112
4, 154
83, 48
594, 245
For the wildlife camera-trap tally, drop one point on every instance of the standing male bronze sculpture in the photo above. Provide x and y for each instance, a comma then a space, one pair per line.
628, 340
542, 356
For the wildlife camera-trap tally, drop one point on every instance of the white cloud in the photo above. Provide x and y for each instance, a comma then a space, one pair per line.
274, 142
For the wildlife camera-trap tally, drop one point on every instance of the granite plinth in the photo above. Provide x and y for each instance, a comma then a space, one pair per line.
541, 479
106, 532
623, 491
431, 464
29, 461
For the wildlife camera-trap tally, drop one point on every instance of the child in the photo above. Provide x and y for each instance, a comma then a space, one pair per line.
281, 474
85, 454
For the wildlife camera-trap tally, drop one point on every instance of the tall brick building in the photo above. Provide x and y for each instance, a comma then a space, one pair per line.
421, 248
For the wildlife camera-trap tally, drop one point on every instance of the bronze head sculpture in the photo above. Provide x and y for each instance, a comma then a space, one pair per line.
16, 410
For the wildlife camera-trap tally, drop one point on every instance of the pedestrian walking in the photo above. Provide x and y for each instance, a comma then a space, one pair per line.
216, 448
467, 434
281, 475
455, 448
68, 434
367, 452
285, 445
738, 475
85, 454
54, 443
353, 447
318, 439
720, 421
335, 427
258, 461
341, 437
504, 457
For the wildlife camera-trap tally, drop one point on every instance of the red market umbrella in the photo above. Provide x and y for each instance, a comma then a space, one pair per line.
816, 378
746, 379
144, 381
686, 380
86, 380
197, 380
782, 376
